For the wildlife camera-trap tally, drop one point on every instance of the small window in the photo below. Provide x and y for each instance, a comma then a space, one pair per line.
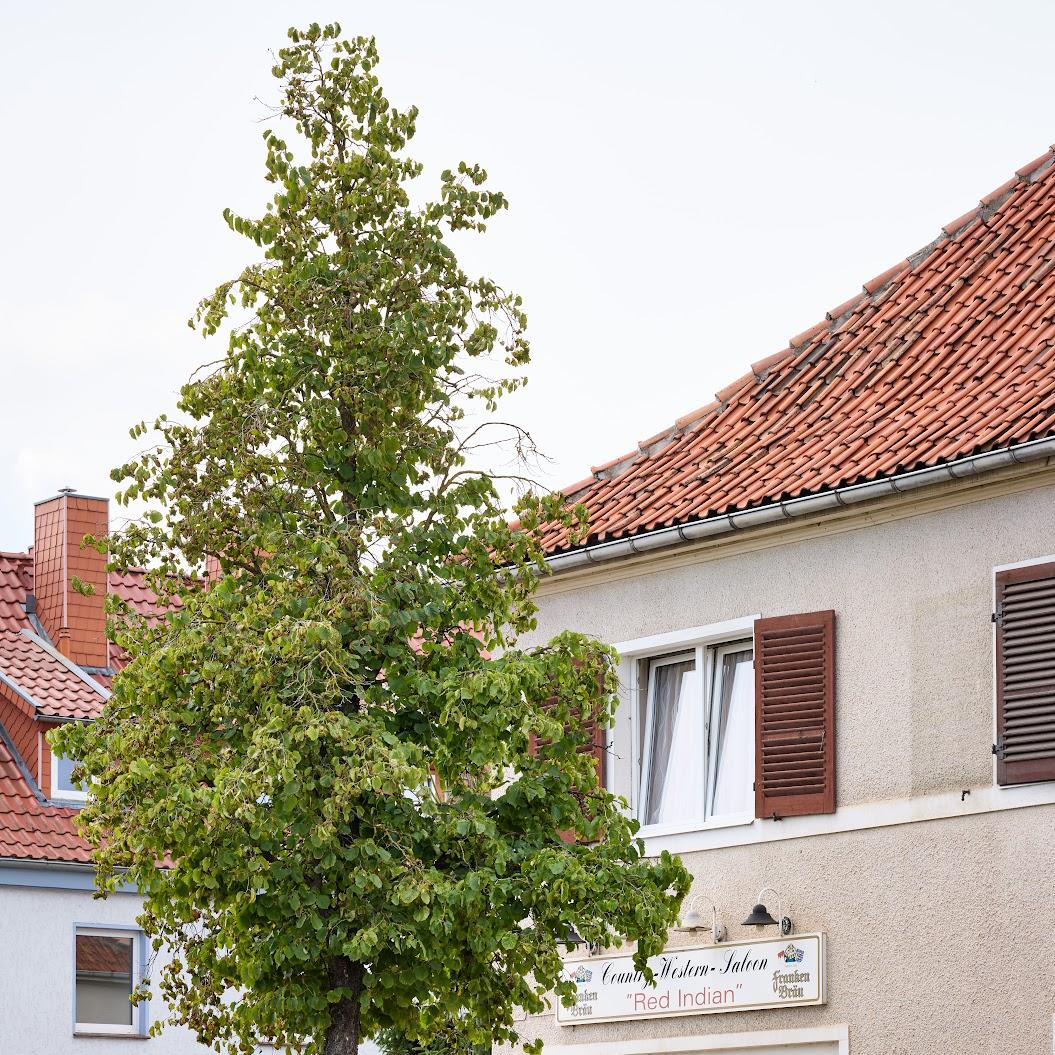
62, 784
107, 973
697, 721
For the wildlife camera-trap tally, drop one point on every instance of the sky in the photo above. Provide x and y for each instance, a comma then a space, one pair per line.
691, 185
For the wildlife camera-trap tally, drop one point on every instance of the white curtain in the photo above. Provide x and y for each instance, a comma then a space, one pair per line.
733, 741
675, 779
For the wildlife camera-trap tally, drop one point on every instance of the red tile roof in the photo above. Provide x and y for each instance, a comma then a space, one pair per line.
29, 828
16, 580
55, 689
947, 354
132, 588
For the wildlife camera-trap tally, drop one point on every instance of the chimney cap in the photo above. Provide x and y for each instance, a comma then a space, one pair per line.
65, 492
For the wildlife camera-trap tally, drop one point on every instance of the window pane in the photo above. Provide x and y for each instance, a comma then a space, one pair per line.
732, 734
675, 770
104, 979
63, 769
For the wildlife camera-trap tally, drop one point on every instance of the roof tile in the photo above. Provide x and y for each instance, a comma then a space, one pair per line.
1029, 168
695, 415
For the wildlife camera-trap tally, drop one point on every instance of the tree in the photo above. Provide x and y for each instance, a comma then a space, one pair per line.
354, 776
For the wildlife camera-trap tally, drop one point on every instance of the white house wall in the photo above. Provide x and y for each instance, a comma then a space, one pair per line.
36, 973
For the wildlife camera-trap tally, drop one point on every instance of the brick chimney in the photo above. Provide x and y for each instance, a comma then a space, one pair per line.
75, 623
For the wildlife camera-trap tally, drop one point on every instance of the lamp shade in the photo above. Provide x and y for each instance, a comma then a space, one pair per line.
760, 917
694, 920
572, 937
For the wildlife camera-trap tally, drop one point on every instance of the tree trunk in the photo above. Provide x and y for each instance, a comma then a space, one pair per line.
342, 1036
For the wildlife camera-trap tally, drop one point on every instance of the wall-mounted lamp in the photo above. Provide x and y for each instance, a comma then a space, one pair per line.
572, 940
760, 916
695, 920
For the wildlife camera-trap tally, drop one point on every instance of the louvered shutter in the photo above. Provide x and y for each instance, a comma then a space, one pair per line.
1025, 674
594, 745
795, 715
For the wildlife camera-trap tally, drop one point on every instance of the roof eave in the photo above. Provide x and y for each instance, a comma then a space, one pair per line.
793, 509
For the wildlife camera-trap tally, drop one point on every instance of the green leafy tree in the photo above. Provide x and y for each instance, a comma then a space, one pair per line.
330, 748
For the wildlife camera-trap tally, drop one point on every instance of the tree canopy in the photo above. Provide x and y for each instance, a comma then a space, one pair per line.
336, 778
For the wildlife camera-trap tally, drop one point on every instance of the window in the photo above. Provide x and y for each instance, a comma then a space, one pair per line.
107, 971
697, 736
62, 785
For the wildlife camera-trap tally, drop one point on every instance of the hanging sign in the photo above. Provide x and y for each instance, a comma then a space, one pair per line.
735, 976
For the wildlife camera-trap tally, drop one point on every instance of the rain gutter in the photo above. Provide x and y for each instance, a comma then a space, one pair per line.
794, 508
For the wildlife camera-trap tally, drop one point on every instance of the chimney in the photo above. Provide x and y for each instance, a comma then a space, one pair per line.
75, 623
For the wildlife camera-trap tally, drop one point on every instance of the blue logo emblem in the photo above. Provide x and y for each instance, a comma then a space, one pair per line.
582, 975
792, 954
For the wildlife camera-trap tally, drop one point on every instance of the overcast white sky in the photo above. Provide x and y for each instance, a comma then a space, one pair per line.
691, 185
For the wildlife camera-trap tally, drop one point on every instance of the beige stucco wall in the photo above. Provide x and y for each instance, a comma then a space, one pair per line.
940, 932
940, 936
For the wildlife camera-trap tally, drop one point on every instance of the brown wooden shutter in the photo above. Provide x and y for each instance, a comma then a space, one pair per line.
1025, 674
595, 745
795, 715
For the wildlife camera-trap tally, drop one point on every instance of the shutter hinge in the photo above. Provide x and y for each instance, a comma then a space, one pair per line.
998, 749
998, 616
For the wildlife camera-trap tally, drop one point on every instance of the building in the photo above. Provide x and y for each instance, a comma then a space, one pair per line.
833, 591
68, 962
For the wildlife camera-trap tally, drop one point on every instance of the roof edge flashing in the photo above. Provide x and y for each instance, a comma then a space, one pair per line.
67, 663
706, 528
760, 515
657, 540
800, 507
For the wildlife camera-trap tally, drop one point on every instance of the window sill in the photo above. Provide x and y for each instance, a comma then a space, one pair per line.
111, 1036
658, 831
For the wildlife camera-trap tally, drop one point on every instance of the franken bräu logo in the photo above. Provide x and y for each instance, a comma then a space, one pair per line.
792, 954
582, 975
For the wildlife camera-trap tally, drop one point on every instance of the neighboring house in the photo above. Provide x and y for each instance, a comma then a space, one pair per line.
68, 962
833, 591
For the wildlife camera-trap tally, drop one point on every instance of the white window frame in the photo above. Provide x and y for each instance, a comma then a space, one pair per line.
61, 794
703, 640
643, 764
715, 654
138, 1026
